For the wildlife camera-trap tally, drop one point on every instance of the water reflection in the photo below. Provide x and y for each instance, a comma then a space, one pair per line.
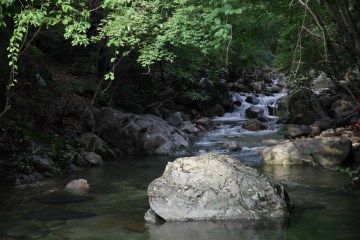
217, 230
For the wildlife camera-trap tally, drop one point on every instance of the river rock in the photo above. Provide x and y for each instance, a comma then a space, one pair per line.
343, 108
295, 130
213, 111
139, 134
215, 187
232, 146
254, 112
189, 128
254, 125
92, 158
45, 166
79, 184
327, 152
93, 142
175, 119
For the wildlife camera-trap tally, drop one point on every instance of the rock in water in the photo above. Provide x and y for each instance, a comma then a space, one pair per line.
77, 185
327, 152
213, 186
139, 134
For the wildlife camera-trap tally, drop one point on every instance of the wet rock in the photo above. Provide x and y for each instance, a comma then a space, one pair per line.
232, 146
343, 108
214, 187
79, 184
314, 130
92, 142
213, 111
327, 152
45, 166
330, 133
30, 178
92, 158
295, 130
80, 161
254, 112
175, 119
139, 134
189, 128
305, 108
281, 109
152, 217
324, 123
252, 100
254, 125
206, 123
257, 86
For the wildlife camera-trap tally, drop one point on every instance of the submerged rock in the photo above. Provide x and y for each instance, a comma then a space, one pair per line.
326, 152
215, 187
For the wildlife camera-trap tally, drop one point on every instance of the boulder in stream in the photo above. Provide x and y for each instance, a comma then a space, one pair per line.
139, 134
327, 152
77, 185
215, 187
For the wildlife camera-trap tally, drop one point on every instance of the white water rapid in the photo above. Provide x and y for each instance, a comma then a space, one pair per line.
230, 136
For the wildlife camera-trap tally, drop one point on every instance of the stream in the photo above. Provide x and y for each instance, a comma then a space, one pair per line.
114, 206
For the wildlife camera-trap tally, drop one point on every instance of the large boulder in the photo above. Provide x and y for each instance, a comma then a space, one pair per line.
305, 107
214, 187
327, 152
139, 134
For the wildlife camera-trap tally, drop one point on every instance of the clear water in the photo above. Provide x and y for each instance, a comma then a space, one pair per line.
114, 206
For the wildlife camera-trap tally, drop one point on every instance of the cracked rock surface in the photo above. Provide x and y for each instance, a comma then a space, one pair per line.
213, 186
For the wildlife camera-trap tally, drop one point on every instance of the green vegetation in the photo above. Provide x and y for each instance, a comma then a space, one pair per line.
348, 171
183, 40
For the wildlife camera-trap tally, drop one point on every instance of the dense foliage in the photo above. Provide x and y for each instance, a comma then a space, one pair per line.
183, 40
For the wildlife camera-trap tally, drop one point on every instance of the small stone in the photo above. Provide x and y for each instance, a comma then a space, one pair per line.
79, 184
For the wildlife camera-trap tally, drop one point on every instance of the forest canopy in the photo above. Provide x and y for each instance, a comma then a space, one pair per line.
183, 40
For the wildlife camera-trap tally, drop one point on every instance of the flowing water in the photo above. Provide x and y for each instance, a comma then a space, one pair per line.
114, 206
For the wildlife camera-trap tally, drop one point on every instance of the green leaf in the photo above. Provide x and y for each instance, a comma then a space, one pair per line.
217, 20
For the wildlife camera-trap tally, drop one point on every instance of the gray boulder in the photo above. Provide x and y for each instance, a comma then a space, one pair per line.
45, 166
189, 128
215, 187
93, 143
92, 158
175, 119
139, 134
343, 108
327, 152
295, 130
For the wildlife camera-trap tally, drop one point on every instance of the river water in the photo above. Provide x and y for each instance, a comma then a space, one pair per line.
114, 206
